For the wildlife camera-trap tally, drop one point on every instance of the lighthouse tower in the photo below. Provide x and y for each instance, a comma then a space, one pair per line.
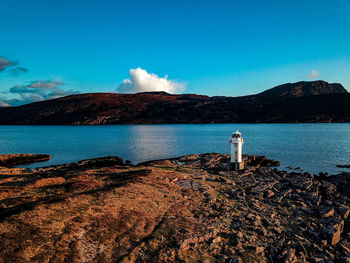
236, 150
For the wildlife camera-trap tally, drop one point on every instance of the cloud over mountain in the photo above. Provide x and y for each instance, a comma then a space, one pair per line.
314, 74
141, 81
37, 91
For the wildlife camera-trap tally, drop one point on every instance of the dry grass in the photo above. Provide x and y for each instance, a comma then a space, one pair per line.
96, 215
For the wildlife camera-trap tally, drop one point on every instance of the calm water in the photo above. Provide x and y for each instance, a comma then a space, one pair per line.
313, 147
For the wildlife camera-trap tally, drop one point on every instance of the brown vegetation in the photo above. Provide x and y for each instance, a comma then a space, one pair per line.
187, 209
315, 101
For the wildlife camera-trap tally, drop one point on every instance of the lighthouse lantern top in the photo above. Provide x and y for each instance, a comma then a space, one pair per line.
237, 134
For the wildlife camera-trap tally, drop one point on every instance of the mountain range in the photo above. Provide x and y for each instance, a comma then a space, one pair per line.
313, 101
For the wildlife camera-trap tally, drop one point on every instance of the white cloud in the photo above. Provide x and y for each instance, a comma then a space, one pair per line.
142, 81
314, 74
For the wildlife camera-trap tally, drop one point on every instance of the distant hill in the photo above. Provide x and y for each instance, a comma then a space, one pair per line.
314, 101
305, 88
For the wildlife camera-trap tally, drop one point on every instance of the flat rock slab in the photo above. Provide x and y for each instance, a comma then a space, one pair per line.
190, 184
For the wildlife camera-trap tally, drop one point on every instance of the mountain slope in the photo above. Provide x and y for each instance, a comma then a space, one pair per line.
305, 88
299, 102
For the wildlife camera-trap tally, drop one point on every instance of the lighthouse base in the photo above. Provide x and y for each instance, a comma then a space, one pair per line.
236, 166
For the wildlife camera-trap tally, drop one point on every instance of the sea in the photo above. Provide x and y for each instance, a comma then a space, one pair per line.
312, 147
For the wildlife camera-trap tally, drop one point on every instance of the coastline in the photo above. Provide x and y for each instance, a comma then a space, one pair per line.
190, 209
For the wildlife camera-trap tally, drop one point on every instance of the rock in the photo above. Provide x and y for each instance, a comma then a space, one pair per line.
259, 249
303, 204
342, 182
217, 240
328, 189
318, 260
345, 249
235, 260
345, 260
326, 211
333, 232
342, 210
263, 230
102, 162
259, 161
162, 211
191, 184
343, 165
284, 194
289, 255
240, 235
8, 160
268, 193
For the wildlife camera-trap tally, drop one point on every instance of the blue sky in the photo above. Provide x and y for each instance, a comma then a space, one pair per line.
217, 47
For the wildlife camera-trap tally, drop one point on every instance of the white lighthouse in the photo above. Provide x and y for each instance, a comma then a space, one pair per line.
236, 150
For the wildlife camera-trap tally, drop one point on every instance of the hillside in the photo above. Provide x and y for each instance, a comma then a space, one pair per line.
304, 88
316, 101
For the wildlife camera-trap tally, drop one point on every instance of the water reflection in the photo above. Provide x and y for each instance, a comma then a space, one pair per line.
148, 140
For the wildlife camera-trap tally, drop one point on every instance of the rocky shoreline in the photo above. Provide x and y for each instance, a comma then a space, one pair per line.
187, 209
9, 160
